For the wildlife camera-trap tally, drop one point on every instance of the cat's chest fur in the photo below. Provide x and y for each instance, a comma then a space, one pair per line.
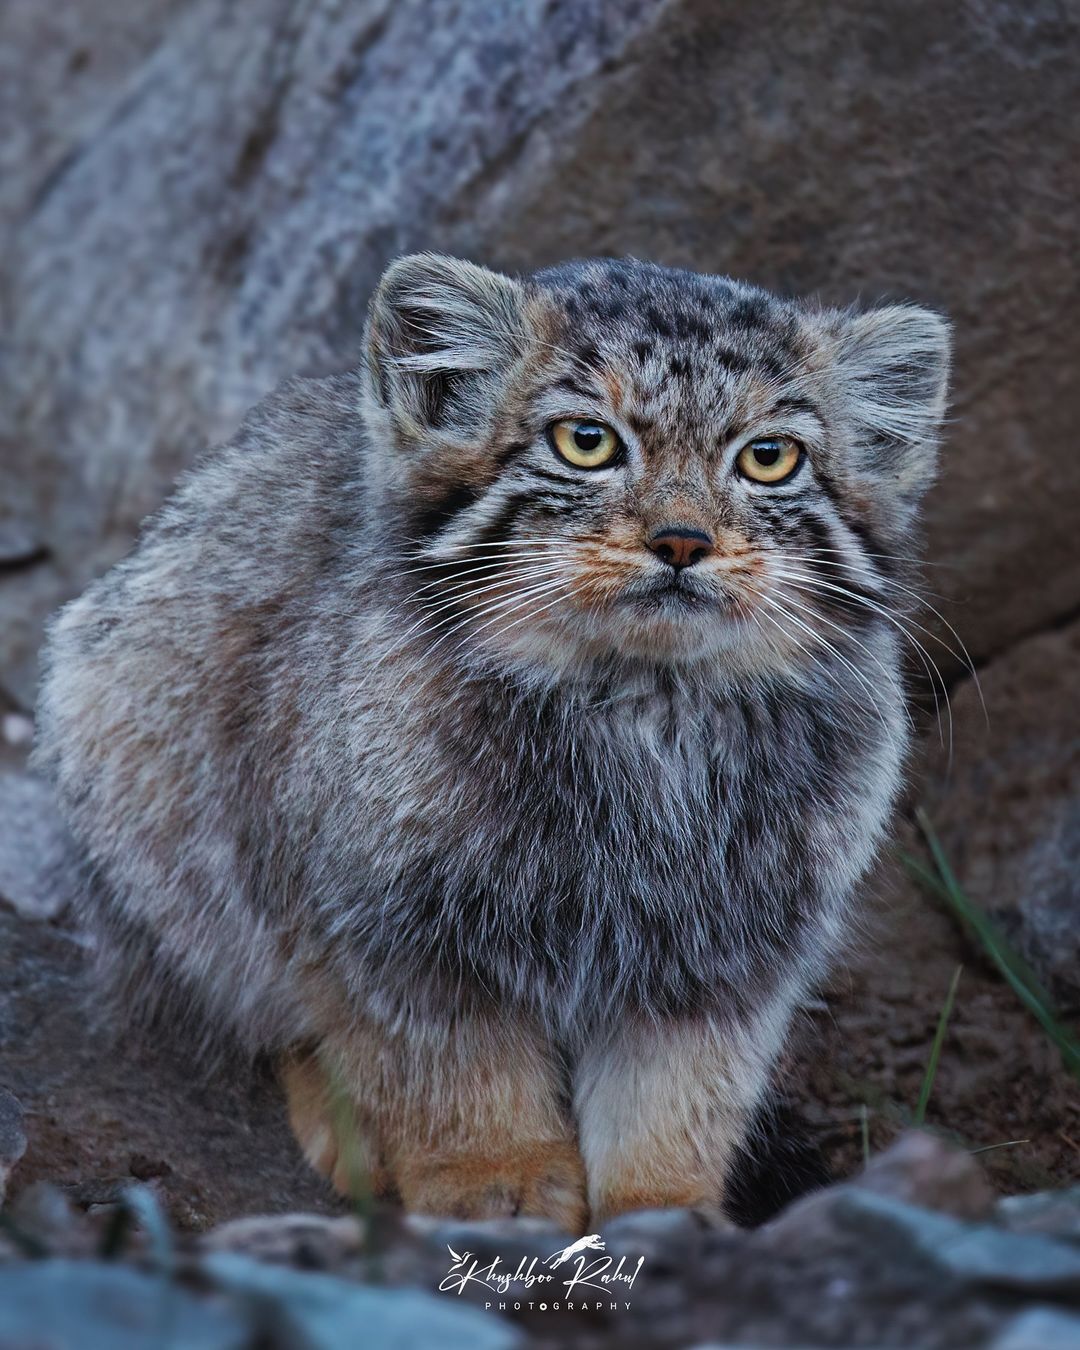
661, 849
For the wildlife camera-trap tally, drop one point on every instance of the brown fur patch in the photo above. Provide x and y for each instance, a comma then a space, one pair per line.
472, 1129
545, 1179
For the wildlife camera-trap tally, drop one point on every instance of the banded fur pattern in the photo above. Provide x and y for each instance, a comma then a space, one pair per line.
393, 723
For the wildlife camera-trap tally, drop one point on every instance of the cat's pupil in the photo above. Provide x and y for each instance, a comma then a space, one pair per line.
766, 455
588, 438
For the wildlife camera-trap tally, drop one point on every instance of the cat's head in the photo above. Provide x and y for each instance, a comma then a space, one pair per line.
613, 460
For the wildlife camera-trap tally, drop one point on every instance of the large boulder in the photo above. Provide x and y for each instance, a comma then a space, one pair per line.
203, 201
220, 226
1009, 810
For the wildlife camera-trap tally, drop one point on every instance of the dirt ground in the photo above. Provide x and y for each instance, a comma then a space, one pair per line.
999, 1079
99, 1114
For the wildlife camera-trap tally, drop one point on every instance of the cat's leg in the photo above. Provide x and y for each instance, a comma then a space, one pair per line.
333, 1136
468, 1120
662, 1107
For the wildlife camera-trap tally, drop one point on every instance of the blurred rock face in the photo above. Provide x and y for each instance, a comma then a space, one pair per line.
1009, 812
205, 199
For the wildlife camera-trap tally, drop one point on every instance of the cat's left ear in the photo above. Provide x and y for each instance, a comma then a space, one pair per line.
442, 335
894, 369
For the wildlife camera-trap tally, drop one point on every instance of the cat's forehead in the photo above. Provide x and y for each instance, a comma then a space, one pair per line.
673, 339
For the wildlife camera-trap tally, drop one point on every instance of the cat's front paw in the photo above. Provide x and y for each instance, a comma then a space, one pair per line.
327, 1130
544, 1179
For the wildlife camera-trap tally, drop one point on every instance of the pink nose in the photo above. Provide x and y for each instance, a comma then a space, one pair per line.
681, 548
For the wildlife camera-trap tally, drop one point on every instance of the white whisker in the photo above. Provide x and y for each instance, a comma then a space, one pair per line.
425, 551
963, 655
929, 664
525, 595
577, 590
424, 622
893, 557
865, 573
839, 628
830, 674
530, 551
490, 567
831, 648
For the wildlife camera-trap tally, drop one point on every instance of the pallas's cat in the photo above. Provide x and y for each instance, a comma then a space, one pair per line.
496, 734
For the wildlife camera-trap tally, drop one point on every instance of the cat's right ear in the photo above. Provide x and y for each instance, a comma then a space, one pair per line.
442, 335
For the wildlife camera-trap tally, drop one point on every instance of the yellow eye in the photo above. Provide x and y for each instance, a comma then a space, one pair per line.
770, 460
586, 445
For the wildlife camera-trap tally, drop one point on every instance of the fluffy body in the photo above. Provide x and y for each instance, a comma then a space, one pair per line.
395, 752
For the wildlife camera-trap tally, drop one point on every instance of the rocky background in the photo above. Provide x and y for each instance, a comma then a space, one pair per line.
196, 197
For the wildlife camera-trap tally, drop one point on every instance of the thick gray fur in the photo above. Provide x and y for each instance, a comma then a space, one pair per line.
301, 754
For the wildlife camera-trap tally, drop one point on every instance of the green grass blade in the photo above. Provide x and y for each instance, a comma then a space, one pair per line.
1010, 964
354, 1161
935, 1049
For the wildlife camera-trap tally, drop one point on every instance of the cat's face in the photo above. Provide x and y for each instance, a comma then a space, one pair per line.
618, 461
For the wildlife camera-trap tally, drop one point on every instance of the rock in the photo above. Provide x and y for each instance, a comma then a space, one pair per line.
1009, 814
12, 1137
84, 1221
28, 597
38, 865
47, 1224
922, 1169
92, 1305
82, 1305
310, 1241
18, 544
976, 1254
50, 111
1039, 1329
1054, 1213
662, 1235
319, 1312
232, 214
918, 1170
945, 1282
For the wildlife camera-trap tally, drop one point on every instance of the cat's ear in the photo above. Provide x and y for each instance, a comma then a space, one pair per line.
441, 336
894, 368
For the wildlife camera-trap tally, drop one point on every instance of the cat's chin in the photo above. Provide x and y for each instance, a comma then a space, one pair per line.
680, 632
682, 635
691, 626
677, 623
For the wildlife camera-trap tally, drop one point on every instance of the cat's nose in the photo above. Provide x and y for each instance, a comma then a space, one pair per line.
681, 548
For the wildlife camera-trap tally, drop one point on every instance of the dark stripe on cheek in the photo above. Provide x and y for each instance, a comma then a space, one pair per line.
511, 452
431, 517
872, 546
781, 524
500, 525
827, 569
862, 532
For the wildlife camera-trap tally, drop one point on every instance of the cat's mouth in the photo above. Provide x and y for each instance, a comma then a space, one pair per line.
679, 591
